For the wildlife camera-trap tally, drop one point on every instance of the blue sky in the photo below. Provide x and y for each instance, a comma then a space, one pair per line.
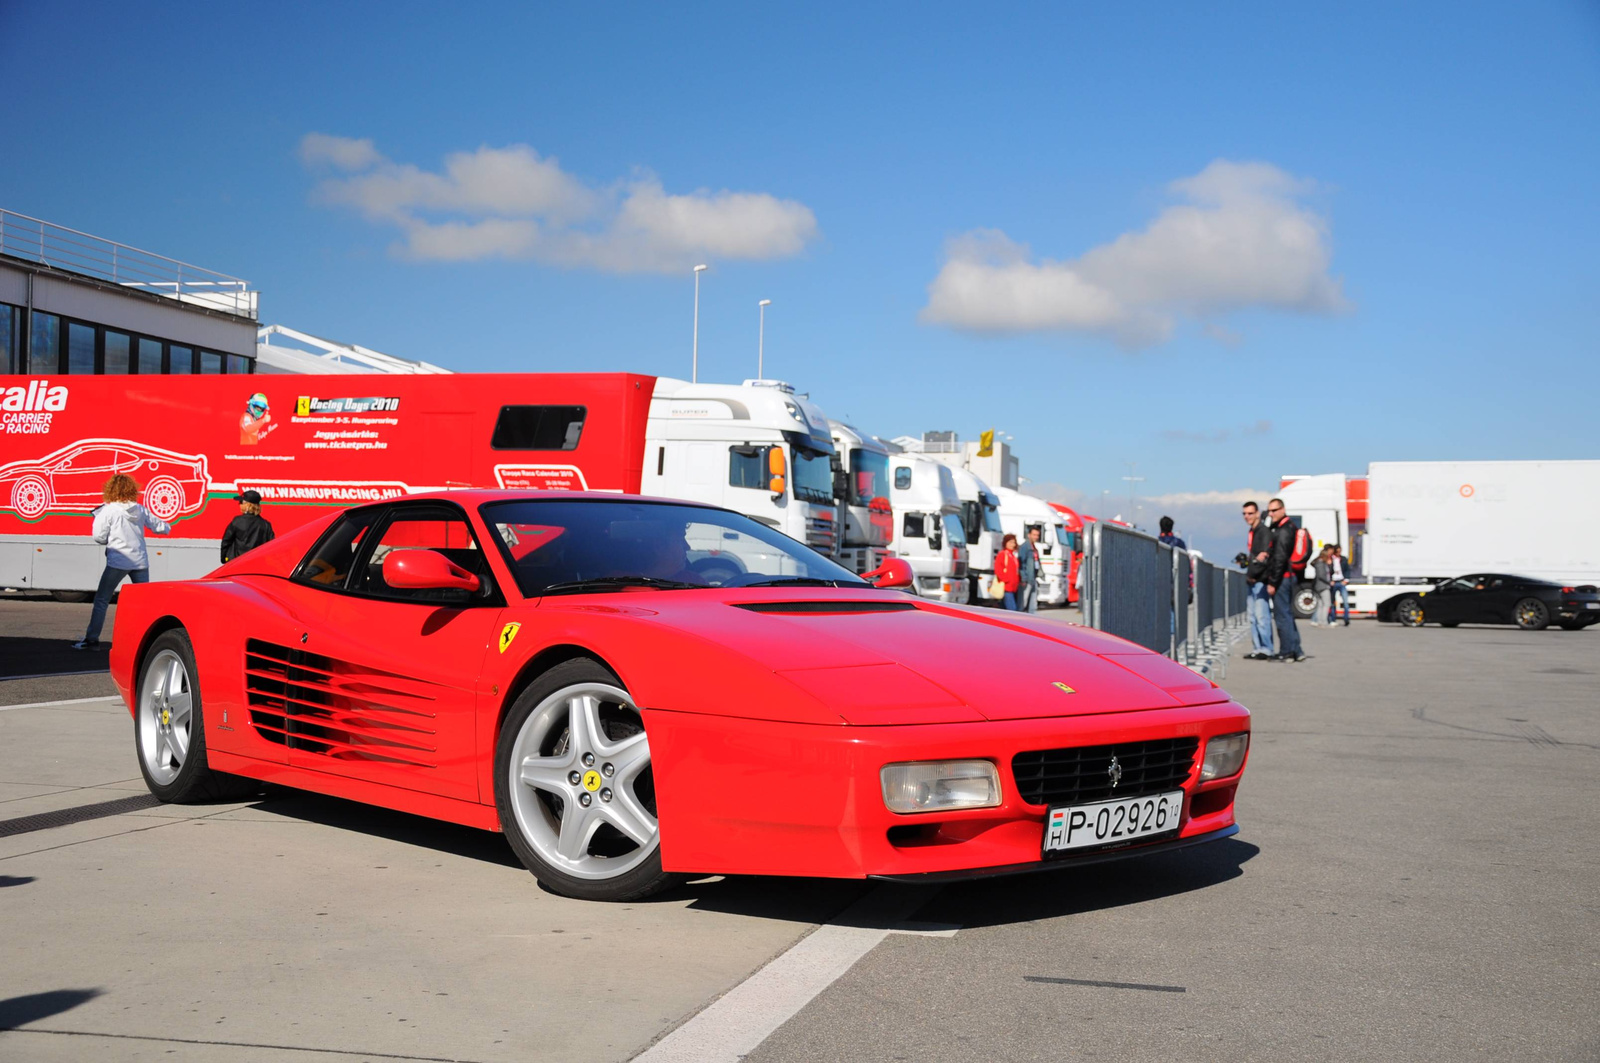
1238, 240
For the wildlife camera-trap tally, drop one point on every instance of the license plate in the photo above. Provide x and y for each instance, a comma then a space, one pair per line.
1110, 822
1591, 605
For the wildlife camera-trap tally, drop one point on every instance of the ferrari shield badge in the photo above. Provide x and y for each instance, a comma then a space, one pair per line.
507, 634
1063, 688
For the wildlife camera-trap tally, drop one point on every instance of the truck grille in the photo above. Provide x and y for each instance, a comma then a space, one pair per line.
1081, 775
820, 535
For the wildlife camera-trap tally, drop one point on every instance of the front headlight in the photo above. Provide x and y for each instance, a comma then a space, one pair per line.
940, 785
1224, 756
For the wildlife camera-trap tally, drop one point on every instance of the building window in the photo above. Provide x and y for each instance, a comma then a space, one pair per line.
117, 346
238, 363
210, 362
180, 359
45, 344
8, 339
80, 348
538, 428
149, 355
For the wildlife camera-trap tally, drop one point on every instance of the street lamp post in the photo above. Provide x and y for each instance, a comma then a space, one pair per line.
694, 375
761, 337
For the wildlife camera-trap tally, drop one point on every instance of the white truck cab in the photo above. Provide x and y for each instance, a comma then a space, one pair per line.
861, 495
927, 526
980, 521
1020, 512
757, 448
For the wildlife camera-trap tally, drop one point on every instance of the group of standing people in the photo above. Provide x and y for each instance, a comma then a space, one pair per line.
1276, 559
1330, 574
1018, 568
119, 525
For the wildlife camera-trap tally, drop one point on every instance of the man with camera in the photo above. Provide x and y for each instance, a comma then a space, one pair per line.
1257, 553
1290, 550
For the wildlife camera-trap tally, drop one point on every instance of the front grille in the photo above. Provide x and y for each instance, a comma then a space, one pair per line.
317, 704
1082, 775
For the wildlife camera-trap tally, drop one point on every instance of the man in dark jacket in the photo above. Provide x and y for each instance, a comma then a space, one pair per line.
1281, 581
1030, 571
1258, 552
248, 530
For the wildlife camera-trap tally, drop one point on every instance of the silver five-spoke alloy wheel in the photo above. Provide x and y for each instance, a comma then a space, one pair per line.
580, 784
166, 711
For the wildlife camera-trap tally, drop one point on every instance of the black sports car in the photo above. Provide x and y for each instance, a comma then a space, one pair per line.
1495, 598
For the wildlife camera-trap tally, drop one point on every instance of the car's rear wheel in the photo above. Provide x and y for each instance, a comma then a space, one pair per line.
30, 496
169, 728
1409, 612
1531, 615
163, 497
575, 789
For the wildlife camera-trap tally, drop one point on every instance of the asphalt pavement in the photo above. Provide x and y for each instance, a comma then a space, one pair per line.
1415, 879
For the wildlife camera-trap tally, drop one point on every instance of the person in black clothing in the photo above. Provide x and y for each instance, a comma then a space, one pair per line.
1281, 581
248, 530
1168, 537
1254, 560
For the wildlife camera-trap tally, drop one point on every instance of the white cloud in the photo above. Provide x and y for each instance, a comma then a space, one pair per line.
1207, 498
513, 203
1242, 237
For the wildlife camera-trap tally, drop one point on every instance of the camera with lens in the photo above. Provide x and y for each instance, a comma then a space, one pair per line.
1241, 559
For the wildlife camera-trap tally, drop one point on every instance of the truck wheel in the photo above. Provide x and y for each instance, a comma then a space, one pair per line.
73, 597
30, 496
1305, 602
1409, 612
1531, 615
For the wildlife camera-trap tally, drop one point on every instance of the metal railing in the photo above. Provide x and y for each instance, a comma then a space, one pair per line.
59, 247
1139, 588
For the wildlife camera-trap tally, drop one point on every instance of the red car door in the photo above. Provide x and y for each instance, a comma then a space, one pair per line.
386, 677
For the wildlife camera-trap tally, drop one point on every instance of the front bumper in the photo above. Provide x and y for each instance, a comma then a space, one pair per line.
1061, 863
756, 797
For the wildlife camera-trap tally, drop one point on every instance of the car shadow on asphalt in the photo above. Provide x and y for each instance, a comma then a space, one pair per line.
1073, 891
452, 838
17, 1011
22, 655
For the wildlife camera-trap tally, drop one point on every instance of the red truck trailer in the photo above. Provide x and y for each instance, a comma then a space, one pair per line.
304, 442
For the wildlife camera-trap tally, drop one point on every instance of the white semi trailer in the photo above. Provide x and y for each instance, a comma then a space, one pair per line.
927, 526
1419, 522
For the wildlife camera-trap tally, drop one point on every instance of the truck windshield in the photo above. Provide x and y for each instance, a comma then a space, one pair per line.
869, 476
813, 475
991, 513
953, 531
566, 547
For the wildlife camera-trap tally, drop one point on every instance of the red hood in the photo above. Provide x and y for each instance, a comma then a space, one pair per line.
935, 663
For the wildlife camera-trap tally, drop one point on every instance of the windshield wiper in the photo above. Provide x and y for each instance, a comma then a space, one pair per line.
604, 583
793, 581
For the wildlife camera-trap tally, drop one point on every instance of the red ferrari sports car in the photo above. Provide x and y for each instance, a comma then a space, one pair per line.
633, 689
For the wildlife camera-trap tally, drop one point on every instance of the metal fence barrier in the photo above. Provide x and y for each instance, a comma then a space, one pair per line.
1164, 599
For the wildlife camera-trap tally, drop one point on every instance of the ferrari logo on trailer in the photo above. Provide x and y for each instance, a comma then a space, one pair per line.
508, 633
1063, 688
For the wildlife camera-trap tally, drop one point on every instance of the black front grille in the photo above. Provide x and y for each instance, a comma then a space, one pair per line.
1079, 776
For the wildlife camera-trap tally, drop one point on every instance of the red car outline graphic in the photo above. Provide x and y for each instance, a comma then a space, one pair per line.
172, 485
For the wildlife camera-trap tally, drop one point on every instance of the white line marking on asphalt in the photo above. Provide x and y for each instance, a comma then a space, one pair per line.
53, 704
747, 1014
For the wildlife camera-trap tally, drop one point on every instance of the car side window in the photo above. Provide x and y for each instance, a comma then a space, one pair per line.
331, 559
441, 529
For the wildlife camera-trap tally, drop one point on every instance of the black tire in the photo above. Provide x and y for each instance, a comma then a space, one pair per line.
639, 881
73, 597
1408, 612
1531, 614
194, 780
1573, 625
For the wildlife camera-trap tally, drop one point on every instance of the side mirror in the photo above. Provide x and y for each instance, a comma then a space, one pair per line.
425, 570
894, 572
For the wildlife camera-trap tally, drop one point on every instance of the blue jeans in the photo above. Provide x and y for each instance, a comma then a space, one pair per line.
102, 596
1283, 613
1028, 597
1010, 601
1260, 619
1342, 592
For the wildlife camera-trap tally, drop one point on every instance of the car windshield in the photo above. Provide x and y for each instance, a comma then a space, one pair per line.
567, 546
813, 475
869, 476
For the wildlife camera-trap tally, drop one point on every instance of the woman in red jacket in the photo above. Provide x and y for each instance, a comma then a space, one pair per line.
1005, 570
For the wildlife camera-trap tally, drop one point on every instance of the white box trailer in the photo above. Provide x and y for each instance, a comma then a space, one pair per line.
1437, 519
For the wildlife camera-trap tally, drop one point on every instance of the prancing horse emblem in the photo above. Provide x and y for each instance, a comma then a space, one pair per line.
1114, 771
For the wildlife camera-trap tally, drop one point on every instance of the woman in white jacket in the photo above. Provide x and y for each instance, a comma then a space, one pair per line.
119, 525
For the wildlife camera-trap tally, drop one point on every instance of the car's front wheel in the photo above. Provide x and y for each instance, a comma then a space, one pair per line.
169, 728
1409, 612
1531, 615
575, 789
